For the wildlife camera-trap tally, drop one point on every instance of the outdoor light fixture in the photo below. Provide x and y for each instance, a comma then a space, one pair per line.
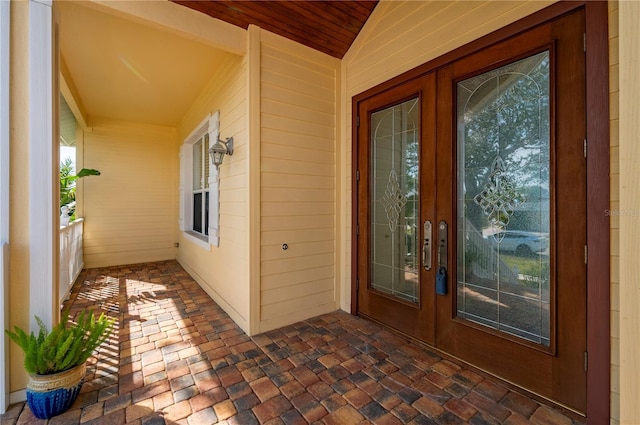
219, 149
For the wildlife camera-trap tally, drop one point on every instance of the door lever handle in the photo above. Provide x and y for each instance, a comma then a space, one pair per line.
426, 245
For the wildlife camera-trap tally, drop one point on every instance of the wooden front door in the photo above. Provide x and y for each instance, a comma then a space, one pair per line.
471, 209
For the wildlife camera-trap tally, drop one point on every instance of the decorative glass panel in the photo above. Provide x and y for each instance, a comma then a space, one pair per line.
503, 199
395, 201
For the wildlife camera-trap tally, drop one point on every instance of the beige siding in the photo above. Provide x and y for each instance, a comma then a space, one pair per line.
128, 209
297, 189
223, 271
19, 154
404, 34
625, 109
615, 207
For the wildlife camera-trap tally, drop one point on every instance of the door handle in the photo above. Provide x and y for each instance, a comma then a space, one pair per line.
426, 245
441, 275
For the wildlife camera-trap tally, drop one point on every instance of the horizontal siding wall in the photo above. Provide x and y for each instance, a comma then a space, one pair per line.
128, 209
223, 271
298, 182
397, 37
625, 110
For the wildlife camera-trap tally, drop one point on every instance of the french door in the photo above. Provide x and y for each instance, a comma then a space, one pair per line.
471, 209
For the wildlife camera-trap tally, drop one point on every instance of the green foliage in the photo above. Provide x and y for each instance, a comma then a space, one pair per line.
537, 268
506, 113
66, 346
68, 183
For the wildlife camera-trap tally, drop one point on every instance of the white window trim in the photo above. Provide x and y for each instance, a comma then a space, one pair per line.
210, 125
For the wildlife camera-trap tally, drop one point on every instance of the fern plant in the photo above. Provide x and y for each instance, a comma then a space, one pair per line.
65, 346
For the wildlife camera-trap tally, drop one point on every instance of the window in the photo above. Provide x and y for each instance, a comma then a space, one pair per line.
199, 185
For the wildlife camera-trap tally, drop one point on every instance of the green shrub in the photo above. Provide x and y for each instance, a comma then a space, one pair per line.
65, 347
68, 184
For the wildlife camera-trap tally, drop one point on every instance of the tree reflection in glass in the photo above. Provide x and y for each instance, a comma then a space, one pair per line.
503, 145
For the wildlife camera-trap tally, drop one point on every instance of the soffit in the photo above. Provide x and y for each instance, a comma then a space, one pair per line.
129, 71
327, 26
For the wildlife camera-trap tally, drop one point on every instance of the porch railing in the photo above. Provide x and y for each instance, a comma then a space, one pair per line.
71, 262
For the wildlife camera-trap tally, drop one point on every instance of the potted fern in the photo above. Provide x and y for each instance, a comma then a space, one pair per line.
56, 360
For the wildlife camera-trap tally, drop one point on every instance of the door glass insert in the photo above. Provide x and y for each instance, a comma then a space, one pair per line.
503, 147
395, 201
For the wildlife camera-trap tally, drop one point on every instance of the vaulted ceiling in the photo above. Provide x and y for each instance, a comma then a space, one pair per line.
327, 26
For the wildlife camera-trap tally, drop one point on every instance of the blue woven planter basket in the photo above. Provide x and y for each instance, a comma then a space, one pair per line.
50, 395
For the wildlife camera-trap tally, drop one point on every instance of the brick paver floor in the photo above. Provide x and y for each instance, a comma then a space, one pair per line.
177, 358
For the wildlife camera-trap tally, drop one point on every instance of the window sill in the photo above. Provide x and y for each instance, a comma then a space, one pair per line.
198, 239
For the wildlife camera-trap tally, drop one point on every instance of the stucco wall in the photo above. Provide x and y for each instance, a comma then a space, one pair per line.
297, 181
128, 209
223, 271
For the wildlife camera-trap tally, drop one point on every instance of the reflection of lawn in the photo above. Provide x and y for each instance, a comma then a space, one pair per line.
525, 265
528, 266
520, 308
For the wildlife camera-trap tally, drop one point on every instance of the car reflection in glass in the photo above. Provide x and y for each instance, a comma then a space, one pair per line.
523, 244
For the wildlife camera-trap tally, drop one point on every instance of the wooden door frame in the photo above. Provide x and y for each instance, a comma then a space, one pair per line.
413, 315
598, 226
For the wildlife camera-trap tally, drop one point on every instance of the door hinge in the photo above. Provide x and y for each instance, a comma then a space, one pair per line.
586, 361
357, 285
357, 229
358, 121
584, 42
585, 148
586, 254
357, 175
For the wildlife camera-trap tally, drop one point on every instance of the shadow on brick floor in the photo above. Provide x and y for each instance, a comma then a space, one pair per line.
177, 358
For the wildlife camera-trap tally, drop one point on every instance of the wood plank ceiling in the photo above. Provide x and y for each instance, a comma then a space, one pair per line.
327, 26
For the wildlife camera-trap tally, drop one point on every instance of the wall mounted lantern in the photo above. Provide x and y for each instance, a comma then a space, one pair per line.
219, 149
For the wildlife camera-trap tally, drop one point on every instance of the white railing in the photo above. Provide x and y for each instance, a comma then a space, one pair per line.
70, 256
4, 324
